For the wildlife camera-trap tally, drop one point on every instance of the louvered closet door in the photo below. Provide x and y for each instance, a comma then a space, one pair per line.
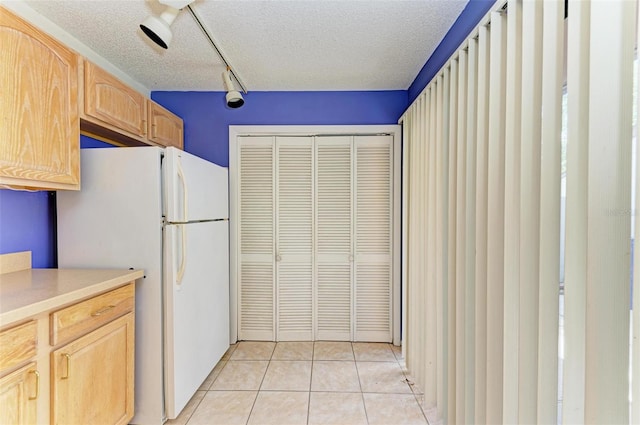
294, 246
334, 238
256, 241
373, 241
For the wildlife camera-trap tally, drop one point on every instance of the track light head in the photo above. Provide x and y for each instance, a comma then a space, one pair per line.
234, 98
158, 29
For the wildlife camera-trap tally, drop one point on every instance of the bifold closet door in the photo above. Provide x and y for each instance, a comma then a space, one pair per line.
373, 205
334, 238
256, 274
294, 238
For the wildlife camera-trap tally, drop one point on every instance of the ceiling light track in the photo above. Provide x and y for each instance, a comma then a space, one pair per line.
230, 69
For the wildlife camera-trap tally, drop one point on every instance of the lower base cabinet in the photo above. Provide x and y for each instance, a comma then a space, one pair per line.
92, 377
74, 365
18, 396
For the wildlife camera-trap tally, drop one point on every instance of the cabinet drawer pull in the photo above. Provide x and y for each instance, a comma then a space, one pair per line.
102, 310
37, 375
68, 357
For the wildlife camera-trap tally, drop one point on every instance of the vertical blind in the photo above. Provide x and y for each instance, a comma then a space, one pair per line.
483, 167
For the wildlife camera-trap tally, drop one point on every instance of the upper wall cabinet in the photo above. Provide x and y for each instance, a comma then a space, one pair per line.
114, 112
40, 132
111, 103
165, 128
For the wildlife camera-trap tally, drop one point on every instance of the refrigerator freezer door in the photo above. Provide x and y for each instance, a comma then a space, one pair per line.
195, 189
196, 307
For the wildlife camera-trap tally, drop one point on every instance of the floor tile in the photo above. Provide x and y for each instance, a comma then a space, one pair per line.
213, 375
280, 408
397, 409
336, 409
224, 408
293, 351
253, 350
285, 375
329, 350
334, 376
373, 351
240, 375
188, 410
382, 377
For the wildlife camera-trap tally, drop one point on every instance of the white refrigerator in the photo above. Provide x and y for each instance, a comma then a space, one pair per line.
164, 211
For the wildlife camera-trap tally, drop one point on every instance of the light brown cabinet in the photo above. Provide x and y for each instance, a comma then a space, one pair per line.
19, 389
95, 372
95, 367
115, 113
112, 104
67, 352
19, 393
165, 128
40, 137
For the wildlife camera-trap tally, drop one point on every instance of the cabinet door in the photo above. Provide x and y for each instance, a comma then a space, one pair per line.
92, 377
109, 101
40, 137
164, 128
18, 396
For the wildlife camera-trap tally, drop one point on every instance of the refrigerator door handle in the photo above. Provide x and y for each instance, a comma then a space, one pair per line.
183, 181
183, 259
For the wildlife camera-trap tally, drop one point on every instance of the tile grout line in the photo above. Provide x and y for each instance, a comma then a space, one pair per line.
407, 380
259, 386
313, 352
364, 404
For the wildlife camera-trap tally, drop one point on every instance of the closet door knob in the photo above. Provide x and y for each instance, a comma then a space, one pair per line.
278, 257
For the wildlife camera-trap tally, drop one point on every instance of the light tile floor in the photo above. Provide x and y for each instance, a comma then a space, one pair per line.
306, 383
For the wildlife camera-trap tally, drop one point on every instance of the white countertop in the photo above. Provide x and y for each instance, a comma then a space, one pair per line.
27, 293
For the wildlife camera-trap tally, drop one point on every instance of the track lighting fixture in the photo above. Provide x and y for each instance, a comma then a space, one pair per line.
234, 97
158, 29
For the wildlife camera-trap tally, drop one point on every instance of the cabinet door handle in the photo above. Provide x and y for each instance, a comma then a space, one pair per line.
37, 375
153, 130
102, 311
68, 357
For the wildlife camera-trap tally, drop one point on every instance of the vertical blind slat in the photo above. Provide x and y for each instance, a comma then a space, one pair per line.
609, 189
470, 242
549, 266
495, 223
460, 252
576, 213
439, 240
451, 238
530, 208
484, 49
512, 212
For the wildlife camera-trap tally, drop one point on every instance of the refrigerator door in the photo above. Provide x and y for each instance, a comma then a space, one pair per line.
195, 189
196, 307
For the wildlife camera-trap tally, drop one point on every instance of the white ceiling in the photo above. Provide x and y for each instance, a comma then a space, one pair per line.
273, 45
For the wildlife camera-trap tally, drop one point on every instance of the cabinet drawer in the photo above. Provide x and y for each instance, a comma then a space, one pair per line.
77, 319
17, 345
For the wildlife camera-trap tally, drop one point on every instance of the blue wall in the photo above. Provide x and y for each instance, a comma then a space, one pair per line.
207, 119
26, 224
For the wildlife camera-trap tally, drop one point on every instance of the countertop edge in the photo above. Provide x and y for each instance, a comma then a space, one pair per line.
21, 314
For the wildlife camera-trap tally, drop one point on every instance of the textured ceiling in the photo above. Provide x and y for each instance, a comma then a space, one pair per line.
272, 44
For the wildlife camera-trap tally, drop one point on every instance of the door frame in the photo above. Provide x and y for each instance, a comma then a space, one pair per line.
236, 131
